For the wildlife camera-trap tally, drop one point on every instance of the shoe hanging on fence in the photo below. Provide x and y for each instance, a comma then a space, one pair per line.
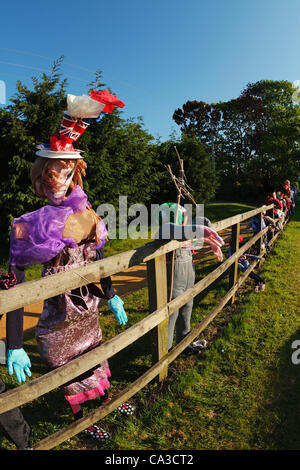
126, 409
98, 434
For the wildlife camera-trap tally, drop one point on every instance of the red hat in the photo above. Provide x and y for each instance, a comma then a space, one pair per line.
81, 110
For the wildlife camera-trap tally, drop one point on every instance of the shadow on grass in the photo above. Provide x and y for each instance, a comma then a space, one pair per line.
282, 402
133, 361
296, 216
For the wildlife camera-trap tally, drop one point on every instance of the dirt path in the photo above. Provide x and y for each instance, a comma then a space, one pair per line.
128, 281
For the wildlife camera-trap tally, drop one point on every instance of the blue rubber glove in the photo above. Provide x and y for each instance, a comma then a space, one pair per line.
116, 306
18, 362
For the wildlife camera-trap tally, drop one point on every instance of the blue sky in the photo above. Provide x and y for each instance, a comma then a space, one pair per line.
155, 55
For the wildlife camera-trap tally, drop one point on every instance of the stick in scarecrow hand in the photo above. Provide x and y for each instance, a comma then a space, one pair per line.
180, 184
185, 277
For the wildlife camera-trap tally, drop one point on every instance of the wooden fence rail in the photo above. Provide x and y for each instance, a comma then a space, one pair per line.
56, 284
157, 321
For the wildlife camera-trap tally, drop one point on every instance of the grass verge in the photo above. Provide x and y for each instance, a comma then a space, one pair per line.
241, 394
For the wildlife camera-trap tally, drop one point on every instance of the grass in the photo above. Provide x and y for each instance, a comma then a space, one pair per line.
241, 394
219, 210
244, 392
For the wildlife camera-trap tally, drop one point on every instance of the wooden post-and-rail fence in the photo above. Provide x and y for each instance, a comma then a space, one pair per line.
154, 254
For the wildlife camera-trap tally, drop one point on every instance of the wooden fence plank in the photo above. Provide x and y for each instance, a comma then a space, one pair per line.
41, 289
47, 382
103, 410
190, 293
32, 390
210, 317
225, 223
63, 374
142, 381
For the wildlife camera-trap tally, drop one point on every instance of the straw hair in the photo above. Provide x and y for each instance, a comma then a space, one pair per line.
42, 175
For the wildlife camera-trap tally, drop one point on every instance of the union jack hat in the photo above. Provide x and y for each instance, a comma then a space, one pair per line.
82, 110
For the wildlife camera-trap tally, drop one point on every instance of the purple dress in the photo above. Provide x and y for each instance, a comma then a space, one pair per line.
69, 324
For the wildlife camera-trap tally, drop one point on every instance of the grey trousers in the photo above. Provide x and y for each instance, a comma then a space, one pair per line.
184, 278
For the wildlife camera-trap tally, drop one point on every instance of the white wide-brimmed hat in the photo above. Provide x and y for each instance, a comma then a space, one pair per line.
46, 152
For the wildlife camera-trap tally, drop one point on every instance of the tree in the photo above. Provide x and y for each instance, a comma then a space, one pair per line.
278, 153
119, 153
31, 118
199, 119
254, 138
198, 170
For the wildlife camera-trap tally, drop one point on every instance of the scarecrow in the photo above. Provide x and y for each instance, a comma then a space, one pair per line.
173, 225
65, 234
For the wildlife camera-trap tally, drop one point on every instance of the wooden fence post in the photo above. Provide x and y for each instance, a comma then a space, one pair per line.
157, 291
234, 270
260, 224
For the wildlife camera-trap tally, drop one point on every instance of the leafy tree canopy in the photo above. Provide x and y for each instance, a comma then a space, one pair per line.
254, 138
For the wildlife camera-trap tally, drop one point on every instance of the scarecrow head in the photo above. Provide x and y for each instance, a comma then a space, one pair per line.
59, 167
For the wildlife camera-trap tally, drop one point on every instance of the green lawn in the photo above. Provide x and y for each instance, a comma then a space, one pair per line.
243, 393
221, 210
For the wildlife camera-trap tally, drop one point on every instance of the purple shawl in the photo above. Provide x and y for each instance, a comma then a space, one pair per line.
36, 237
